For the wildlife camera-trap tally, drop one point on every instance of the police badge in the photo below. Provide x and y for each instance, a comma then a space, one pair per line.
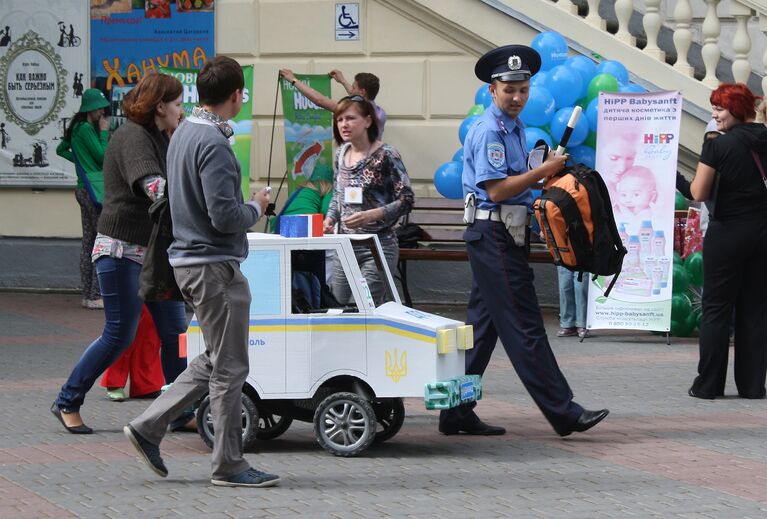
515, 62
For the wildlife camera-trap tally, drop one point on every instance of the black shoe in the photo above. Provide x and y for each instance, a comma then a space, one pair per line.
149, 452
693, 394
249, 478
77, 429
587, 420
478, 428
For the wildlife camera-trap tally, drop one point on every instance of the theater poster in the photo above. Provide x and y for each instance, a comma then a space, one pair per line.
308, 132
43, 70
133, 37
636, 154
242, 124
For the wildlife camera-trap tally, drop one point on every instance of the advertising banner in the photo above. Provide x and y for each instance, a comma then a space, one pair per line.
636, 154
133, 37
242, 124
308, 132
43, 67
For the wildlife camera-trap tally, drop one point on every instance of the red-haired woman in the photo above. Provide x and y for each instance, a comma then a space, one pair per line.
134, 176
731, 175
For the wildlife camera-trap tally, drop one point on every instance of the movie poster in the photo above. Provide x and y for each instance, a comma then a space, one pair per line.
636, 154
43, 70
308, 132
133, 37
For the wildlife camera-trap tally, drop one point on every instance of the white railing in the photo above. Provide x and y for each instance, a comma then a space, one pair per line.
653, 18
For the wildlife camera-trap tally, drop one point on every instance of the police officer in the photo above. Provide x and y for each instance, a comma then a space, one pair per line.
503, 303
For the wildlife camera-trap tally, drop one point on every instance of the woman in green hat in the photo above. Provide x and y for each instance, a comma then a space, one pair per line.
84, 143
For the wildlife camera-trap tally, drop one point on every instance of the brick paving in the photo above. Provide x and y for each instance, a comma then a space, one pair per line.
659, 454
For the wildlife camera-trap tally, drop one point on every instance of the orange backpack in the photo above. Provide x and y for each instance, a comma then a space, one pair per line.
577, 221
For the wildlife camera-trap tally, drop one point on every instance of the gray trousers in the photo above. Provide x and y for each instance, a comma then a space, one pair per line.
339, 285
220, 297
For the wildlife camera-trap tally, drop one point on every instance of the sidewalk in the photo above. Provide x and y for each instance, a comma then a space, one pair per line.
660, 453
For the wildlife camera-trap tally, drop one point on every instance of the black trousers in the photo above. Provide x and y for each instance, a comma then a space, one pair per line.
503, 303
734, 277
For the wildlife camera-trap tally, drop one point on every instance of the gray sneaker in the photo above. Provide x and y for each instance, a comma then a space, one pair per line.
249, 478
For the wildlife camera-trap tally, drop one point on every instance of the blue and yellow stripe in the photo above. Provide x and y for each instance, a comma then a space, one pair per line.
336, 325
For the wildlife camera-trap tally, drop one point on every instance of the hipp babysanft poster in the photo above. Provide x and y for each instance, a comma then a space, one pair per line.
636, 154
308, 132
133, 37
242, 124
43, 72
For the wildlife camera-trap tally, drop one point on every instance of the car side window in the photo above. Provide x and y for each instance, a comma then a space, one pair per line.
310, 272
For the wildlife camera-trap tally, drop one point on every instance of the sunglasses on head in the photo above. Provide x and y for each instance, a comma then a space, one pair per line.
355, 97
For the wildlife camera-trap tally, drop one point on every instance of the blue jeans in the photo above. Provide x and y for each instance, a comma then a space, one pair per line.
573, 298
118, 279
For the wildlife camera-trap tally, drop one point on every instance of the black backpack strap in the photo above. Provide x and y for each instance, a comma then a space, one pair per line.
547, 227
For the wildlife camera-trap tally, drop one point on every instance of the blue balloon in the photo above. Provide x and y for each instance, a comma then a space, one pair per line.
631, 88
458, 155
615, 68
583, 155
538, 79
540, 107
552, 47
447, 180
559, 123
465, 125
533, 135
592, 114
585, 67
483, 96
564, 84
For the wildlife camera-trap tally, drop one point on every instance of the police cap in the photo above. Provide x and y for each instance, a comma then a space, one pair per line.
508, 63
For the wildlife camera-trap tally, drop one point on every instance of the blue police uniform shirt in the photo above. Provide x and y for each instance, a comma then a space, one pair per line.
494, 148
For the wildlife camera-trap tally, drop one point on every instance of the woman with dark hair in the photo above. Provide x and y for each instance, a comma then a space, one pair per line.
134, 176
371, 193
731, 175
84, 143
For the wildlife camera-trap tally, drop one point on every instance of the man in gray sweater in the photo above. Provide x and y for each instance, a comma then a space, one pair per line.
210, 221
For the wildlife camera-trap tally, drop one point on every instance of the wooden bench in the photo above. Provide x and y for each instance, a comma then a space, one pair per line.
442, 222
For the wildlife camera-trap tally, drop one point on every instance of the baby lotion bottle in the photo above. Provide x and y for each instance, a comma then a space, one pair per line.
624, 235
650, 263
658, 244
632, 258
645, 239
657, 279
665, 264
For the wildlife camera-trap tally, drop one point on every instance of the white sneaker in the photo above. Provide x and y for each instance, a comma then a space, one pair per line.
92, 304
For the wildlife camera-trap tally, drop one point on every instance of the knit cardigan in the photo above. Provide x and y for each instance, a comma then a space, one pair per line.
134, 152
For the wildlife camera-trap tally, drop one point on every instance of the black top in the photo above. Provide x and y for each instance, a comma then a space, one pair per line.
741, 191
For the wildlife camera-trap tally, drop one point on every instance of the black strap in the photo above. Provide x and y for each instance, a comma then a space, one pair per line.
547, 227
759, 165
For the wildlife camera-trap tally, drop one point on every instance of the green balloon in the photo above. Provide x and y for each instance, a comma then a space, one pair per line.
591, 140
680, 328
680, 280
582, 102
476, 110
680, 202
694, 266
601, 83
693, 320
681, 307
678, 259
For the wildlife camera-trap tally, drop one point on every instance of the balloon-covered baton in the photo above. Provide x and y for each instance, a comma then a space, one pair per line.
570, 125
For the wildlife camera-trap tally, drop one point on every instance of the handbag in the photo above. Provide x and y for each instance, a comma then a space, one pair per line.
156, 281
88, 186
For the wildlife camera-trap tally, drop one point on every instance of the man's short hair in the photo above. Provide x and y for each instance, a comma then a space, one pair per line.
369, 83
218, 79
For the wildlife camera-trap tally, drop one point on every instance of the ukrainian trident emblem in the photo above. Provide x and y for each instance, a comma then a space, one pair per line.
396, 366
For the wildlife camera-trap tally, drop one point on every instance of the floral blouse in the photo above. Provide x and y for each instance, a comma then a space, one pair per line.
383, 181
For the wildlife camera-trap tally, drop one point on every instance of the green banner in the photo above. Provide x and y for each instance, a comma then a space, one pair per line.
242, 123
308, 132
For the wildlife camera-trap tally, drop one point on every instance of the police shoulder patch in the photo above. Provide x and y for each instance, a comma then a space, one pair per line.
496, 154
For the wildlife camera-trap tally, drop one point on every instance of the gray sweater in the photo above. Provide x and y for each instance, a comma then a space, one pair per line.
210, 219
